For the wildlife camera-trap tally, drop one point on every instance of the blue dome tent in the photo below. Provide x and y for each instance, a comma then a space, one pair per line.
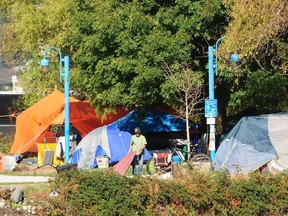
103, 141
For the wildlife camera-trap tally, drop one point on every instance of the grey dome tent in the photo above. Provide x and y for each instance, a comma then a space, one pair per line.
253, 142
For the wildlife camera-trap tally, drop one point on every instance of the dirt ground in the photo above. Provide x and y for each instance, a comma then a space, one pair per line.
26, 169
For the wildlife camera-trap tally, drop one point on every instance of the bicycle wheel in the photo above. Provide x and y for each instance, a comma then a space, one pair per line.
201, 161
150, 166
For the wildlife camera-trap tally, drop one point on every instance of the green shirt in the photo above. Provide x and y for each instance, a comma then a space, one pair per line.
138, 143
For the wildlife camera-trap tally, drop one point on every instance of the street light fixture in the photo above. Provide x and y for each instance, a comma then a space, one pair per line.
65, 74
211, 104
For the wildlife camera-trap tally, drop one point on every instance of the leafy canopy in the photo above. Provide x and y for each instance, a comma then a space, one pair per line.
258, 31
116, 47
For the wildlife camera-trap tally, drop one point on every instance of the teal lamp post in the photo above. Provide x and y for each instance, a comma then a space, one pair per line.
63, 61
211, 104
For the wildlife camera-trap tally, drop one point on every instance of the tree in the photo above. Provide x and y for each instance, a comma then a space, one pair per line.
187, 91
28, 28
255, 30
267, 93
116, 47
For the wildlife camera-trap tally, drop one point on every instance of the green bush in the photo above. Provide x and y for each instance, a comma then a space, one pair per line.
106, 193
5, 143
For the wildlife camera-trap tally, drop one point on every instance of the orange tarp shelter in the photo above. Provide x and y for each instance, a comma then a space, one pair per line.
35, 120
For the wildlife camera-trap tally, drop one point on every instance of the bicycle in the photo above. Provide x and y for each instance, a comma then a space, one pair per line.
163, 162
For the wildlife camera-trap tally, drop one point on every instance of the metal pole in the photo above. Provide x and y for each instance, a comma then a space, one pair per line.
45, 64
212, 101
211, 71
67, 109
212, 148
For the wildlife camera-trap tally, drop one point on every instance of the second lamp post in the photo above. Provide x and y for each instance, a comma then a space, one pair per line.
211, 104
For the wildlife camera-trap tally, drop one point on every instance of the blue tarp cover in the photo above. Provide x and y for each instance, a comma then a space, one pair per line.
150, 121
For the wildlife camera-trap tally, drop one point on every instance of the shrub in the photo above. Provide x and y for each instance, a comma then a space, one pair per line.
106, 193
5, 143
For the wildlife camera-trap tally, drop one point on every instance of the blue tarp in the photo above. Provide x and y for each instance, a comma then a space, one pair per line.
150, 121
253, 142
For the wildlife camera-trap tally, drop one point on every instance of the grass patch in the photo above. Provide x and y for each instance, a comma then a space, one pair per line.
32, 191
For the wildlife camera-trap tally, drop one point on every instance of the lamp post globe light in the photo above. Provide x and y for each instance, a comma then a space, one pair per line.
211, 104
63, 61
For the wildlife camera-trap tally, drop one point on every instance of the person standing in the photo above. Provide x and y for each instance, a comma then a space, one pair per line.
138, 144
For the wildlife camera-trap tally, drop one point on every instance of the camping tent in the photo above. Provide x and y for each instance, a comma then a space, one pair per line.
32, 122
103, 141
151, 121
253, 142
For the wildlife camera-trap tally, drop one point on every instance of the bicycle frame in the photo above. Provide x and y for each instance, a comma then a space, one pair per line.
179, 153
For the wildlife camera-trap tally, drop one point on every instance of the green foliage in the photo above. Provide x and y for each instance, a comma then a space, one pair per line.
198, 193
29, 28
101, 193
120, 60
255, 29
5, 143
116, 47
261, 90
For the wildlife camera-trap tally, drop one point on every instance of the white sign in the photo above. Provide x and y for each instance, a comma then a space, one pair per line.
210, 120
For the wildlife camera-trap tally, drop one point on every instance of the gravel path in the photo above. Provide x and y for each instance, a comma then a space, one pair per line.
23, 179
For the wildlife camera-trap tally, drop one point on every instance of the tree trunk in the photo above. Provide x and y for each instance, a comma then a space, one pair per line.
187, 125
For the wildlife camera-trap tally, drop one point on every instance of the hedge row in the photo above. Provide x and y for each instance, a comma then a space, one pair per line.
106, 193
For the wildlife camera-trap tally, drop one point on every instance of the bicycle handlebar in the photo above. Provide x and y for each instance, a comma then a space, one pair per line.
182, 144
181, 150
193, 148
